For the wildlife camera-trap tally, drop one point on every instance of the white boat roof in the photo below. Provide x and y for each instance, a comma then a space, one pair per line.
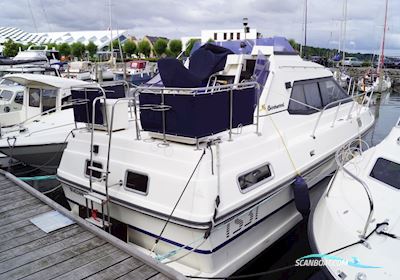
37, 80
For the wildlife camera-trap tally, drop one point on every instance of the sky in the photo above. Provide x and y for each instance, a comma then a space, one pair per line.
181, 18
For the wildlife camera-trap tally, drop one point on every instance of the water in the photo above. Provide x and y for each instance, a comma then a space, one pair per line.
386, 108
294, 244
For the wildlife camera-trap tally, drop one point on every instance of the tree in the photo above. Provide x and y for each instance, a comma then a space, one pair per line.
189, 46
50, 46
160, 46
175, 46
130, 47
144, 48
64, 49
115, 45
11, 48
91, 48
77, 49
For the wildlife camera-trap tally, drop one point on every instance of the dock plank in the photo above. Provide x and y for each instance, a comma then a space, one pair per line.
12, 263
142, 272
159, 277
95, 266
18, 204
36, 240
5, 221
75, 262
13, 212
53, 259
12, 195
17, 232
23, 196
117, 270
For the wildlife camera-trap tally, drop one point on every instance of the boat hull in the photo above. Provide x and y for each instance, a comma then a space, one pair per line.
44, 157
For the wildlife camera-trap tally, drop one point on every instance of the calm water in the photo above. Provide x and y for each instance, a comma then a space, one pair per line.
294, 244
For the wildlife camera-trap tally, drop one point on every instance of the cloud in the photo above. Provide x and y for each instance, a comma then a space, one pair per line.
177, 18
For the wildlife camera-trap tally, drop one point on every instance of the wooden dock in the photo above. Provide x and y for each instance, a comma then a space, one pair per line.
78, 251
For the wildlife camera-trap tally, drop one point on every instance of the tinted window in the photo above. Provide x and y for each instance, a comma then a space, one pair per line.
331, 91
65, 101
34, 97
313, 98
19, 98
137, 182
255, 176
387, 172
49, 99
95, 174
315, 93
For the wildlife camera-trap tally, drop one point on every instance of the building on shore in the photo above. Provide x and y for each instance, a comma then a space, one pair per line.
101, 38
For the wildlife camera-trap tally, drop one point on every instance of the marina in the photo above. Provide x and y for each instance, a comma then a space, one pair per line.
236, 153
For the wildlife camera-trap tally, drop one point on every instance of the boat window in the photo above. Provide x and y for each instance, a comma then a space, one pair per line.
238, 36
255, 177
19, 97
34, 97
65, 101
331, 91
6, 95
49, 99
215, 36
315, 94
387, 172
137, 182
225, 36
95, 174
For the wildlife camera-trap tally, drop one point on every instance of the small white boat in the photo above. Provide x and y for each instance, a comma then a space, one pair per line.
11, 100
357, 219
204, 179
39, 119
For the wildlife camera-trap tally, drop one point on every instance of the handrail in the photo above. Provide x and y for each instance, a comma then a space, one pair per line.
328, 106
339, 161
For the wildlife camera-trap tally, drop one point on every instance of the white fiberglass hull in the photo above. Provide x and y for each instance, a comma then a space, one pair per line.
232, 243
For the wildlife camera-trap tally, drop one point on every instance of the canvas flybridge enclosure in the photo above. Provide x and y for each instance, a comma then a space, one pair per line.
93, 104
218, 91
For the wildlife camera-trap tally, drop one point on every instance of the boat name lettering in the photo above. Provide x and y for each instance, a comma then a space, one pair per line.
238, 224
274, 107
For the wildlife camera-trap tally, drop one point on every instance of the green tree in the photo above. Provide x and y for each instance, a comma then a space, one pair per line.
144, 48
64, 49
130, 47
160, 46
294, 44
175, 46
189, 46
115, 45
50, 46
11, 48
78, 49
91, 48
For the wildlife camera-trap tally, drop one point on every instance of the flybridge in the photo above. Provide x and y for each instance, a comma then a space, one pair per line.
279, 45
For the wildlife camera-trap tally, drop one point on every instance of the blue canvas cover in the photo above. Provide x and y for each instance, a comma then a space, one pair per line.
114, 91
204, 62
197, 116
83, 112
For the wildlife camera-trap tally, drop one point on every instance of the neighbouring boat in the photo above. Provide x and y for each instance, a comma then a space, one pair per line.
379, 80
38, 119
358, 217
204, 179
137, 72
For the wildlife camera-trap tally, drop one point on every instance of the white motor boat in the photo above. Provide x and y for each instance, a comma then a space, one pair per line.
40, 93
357, 219
204, 179
35, 127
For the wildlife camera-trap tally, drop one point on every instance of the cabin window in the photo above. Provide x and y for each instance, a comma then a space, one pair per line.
312, 95
255, 177
238, 36
137, 182
387, 172
231, 36
65, 101
19, 98
34, 97
95, 174
6, 95
49, 99
215, 36
225, 36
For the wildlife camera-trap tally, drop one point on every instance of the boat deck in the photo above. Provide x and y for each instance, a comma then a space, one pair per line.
77, 251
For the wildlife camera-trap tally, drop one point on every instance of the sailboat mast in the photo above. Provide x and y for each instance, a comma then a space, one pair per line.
110, 26
344, 30
382, 55
305, 26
